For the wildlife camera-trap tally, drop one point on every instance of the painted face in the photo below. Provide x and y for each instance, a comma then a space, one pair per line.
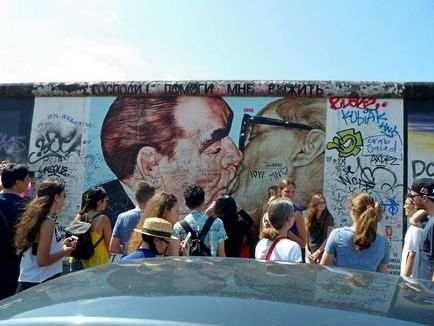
288, 192
268, 156
206, 156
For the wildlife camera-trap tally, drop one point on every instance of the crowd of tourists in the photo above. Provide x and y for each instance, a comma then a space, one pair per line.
33, 247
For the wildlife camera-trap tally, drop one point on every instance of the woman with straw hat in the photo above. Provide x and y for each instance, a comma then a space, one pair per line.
156, 234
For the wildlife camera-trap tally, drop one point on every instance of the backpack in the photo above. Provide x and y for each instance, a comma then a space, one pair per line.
198, 246
81, 229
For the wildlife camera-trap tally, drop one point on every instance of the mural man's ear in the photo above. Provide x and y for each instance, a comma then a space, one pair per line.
147, 165
314, 145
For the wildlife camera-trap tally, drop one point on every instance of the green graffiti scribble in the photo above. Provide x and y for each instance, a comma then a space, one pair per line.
348, 143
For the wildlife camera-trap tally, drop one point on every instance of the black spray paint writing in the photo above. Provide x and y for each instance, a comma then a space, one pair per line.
53, 143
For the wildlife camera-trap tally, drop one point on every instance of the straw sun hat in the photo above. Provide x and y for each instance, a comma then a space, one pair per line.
156, 227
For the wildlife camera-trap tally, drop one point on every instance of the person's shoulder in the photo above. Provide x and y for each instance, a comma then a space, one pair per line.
128, 213
414, 231
217, 223
290, 243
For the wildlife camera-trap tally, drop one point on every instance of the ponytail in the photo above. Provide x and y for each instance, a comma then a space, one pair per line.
269, 233
367, 214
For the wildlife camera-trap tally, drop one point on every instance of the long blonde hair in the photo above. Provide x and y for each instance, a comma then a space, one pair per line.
158, 206
367, 214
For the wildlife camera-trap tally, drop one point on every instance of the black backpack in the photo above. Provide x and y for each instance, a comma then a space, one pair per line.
198, 246
81, 229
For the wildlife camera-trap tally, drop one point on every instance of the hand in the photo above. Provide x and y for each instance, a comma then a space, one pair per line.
3, 164
210, 210
238, 208
69, 245
317, 253
184, 248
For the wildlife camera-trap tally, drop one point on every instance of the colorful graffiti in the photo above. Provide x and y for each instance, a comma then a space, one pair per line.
238, 138
366, 156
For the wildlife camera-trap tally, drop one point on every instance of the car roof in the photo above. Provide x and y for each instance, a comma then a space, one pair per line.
213, 290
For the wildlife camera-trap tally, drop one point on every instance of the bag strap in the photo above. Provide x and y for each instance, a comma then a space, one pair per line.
206, 227
273, 245
97, 243
2, 215
188, 228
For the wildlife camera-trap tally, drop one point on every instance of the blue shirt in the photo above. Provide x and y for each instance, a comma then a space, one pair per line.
125, 224
341, 245
140, 254
426, 259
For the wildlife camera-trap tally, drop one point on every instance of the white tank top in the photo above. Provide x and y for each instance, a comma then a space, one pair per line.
29, 269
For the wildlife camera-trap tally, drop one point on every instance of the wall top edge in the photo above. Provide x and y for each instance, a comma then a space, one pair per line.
287, 88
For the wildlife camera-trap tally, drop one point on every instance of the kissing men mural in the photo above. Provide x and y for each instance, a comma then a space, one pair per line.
237, 138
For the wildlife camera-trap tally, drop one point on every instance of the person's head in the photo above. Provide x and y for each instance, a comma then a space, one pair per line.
285, 139
16, 177
95, 198
366, 213
280, 216
194, 196
272, 191
50, 199
317, 210
422, 193
156, 232
171, 142
143, 191
226, 209
287, 189
409, 207
162, 205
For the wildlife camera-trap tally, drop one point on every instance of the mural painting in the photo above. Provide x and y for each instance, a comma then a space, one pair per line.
364, 153
236, 138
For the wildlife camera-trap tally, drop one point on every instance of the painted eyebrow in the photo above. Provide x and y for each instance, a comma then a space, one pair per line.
215, 136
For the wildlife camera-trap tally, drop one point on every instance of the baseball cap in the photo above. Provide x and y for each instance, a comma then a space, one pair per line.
424, 186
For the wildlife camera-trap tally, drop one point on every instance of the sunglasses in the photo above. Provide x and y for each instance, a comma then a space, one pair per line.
412, 196
249, 121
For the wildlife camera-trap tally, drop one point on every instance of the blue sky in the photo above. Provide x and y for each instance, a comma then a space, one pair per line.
84, 40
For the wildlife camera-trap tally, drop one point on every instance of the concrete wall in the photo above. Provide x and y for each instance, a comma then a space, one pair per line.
345, 137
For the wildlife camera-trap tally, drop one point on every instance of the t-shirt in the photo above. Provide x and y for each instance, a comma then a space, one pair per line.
124, 226
341, 245
11, 206
140, 254
318, 232
426, 262
411, 243
30, 271
285, 250
197, 220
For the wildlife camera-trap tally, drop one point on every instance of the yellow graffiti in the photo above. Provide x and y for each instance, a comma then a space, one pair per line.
348, 143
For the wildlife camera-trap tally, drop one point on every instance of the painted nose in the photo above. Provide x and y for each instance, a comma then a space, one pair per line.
232, 155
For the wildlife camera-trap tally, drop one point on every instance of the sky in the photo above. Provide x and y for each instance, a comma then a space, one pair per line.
141, 40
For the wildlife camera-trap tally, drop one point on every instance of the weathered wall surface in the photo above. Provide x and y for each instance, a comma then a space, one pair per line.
229, 137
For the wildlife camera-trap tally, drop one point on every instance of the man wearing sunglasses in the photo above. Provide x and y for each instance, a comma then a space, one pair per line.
286, 139
422, 193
